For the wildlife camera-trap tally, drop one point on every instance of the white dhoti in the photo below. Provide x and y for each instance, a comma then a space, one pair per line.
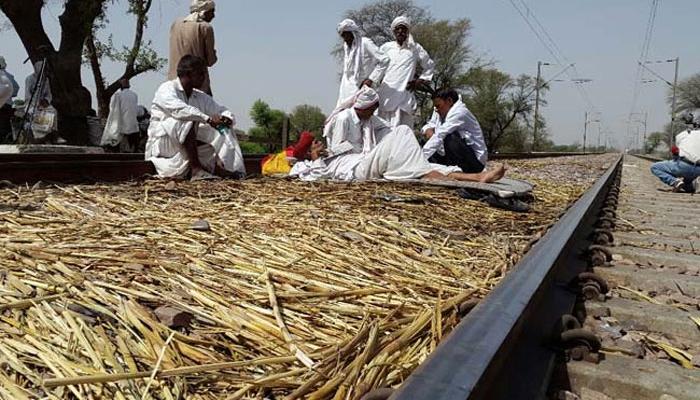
166, 151
398, 157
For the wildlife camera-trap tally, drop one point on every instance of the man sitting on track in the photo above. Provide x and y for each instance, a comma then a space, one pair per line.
189, 131
683, 172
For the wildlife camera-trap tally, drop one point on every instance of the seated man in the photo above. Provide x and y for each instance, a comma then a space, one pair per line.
683, 172
454, 135
189, 132
397, 157
356, 129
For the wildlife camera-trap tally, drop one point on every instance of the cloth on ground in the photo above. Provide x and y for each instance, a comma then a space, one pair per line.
173, 115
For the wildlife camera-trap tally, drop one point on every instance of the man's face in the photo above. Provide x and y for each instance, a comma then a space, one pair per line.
442, 106
348, 38
401, 33
197, 78
367, 113
209, 15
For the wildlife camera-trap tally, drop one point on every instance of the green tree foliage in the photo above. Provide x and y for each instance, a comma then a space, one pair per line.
307, 118
504, 107
268, 126
654, 140
688, 93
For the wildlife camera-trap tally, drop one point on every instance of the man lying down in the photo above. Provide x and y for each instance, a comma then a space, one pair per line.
393, 156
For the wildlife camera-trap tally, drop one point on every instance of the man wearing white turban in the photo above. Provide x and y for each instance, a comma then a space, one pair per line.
396, 158
398, 104
363, 63
362, 147
194, 35
356, 129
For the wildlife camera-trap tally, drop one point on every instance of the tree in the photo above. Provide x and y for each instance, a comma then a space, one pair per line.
688, 93
654, 140
504, 107
137, 59
70, 98
269, 124
307, 118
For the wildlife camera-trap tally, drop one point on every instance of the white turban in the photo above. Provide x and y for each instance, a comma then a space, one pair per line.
402, 20
3, 63
198, 8
348, 25
366, 98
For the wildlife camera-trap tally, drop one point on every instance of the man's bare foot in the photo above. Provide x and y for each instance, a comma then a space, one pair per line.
436, 176
494, 174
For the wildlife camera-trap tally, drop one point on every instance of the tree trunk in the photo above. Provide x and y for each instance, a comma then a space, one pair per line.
70, 98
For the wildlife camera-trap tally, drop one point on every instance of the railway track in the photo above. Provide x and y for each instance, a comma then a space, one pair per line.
81, 168
604, 306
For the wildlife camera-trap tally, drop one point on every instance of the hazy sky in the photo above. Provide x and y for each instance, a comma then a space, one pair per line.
279, 51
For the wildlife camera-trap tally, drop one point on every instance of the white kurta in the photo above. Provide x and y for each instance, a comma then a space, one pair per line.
361, 62
348, 133
403, 64
6, 88
397, 157
123, 109
458, 120
688, 143
173, 115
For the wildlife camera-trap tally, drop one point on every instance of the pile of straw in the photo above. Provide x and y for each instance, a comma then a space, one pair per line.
320, 291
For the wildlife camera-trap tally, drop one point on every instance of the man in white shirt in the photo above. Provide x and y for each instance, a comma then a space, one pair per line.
356, 129
683, 172
454, 135
363, 63
392, 154
189, 132
398, 103
121, 122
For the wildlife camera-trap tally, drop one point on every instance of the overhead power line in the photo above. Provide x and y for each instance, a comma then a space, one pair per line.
644, 54
555, 51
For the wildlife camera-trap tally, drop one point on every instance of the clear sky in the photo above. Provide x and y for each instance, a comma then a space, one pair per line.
279, 51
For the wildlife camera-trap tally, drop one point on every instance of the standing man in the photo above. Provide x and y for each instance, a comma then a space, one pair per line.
8, 89
363, 63
121, 122
683, 172
398, 103
454, 135
194, 36
189, 133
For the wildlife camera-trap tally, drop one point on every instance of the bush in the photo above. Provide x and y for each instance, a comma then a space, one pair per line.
252, 148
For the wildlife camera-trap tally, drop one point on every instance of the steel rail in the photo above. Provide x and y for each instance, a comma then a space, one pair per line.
28, 168
505, 348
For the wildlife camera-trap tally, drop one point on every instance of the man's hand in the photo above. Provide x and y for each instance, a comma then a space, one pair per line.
226, 121
215, 120
318, 150
367, 82
429, 133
